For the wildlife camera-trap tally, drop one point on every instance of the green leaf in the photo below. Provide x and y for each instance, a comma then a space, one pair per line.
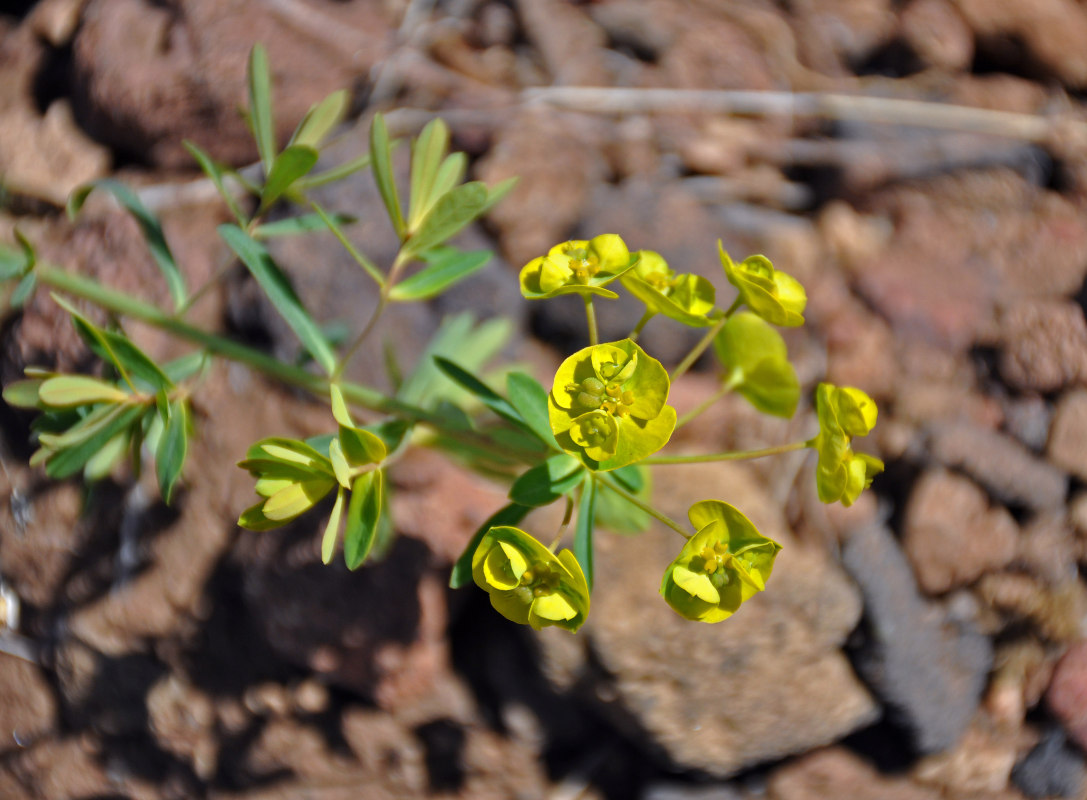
615, 512
290, 165
632, 477
339, 463
186, 366
320, 119
361, 446
295, 226
290, 451
486, 395
24, 393
547, 482
340, 412
583, 533
496, 193
363, 514
172, 449
450, 173
87, 438
24, 289
450, 214
279, 291
445, 266
427, 153
457, 337
101, 463
297, 498
333, 175
13, 263
77, 390
149, 225
353, 251
260, 105
462, 570
253, 519
332, 529
529, 398
381, 159
216, 173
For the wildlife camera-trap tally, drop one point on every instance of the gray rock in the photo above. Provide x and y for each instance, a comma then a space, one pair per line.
1051, 769
928, 670
717, 698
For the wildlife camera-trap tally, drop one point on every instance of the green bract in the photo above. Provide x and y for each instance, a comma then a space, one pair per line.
757, 364
529, 584
685, 298
724, 563
608, 405
577, 267
775, 296
841, 474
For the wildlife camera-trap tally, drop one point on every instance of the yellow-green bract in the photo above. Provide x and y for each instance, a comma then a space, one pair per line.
608, 405
775, 296
724, 563
685, 298
577, 267
841, 474
757, 364
529, 584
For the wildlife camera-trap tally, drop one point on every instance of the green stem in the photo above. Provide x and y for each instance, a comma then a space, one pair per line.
590, 316
648, 509
704, 342
738, 455
648, 315
727, 387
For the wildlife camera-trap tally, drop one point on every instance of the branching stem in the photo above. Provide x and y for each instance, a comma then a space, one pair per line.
648, 509
736, 455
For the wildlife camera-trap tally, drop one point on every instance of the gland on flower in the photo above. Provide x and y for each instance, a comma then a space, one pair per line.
577, 267
608, 405
756, 363
841, 474
685, 298
529, 584
724, 563
775, 296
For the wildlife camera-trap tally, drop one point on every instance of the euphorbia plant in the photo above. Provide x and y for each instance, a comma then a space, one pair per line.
586, 441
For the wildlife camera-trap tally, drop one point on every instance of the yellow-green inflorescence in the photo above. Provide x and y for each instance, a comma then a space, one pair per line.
843, 412
776, 296
529, 584
722, 565
686, 298
608, 405
577, 267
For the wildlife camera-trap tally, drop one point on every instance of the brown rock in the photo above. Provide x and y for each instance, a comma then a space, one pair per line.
1044, 345
27, 709
1068, 436
1056, 611
1000, 464
952, 536
714, 52
1047, 548
182, 720
981, 762
838, 773
1067, 694
571, 44
938, 34
789, 636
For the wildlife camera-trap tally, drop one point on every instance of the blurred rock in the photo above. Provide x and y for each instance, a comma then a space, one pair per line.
1044, 345
570, 43
147, 76
1028, 419
680, 685
952, 536
60, 769
28, 710
1057, 612
182, 720
1000, 464
938, 34
1050, 769
1067, 694
838, 773
711, 51
1068, 436
980, 763
1047, 548
928, 669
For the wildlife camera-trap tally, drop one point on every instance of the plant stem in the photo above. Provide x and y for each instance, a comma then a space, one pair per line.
590, 316
737, 455
705, 341
648, 509
648, 315
727, 387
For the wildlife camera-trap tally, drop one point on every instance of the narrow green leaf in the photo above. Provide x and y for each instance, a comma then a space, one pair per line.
616, 513
494, 401
101, 463
547, 482
339, 463
173, 447
353, 251
279, 291
386, 532
450, 214
320, 119
496, 193
67, 462
253, 519
260, 105
381, 159
297, 499
24, 289
530, 399
450, 173
462, 570
24, 393
632, 477
340, 412
583, 533
216, 172
186, 366
149, 225
445, 266
13, 263
290, 451
290, 165
274, 470
361, 447
334, 174
295, 226
77, 390
427, 152
332, 529
30, 255
363, 514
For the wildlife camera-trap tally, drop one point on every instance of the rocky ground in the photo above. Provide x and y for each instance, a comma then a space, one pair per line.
927, 643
